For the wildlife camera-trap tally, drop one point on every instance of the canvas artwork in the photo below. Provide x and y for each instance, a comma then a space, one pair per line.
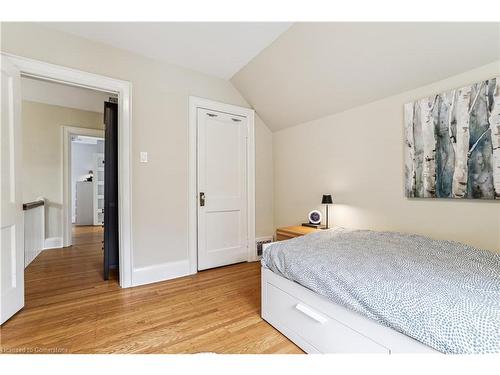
452, 145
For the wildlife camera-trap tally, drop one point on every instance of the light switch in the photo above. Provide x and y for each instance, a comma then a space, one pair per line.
144, 157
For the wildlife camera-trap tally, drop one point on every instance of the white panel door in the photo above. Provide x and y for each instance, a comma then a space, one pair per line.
222, 189
11, 218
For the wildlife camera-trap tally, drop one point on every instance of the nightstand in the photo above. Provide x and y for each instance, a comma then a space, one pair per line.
285, 233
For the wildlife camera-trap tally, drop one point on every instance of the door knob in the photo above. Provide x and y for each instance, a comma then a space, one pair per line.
202, 199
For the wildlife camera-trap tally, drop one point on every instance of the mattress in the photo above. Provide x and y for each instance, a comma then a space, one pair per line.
442, 293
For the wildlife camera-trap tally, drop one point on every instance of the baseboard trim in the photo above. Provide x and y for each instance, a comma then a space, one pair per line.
53, 243
160, 272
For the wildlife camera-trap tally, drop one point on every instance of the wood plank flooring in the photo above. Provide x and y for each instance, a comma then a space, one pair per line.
71, 309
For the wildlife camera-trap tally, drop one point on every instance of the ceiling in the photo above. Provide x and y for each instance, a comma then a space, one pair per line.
294, 73
216, 48
47, 92
318, 69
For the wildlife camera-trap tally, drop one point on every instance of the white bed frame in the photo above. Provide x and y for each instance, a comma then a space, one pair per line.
318, 325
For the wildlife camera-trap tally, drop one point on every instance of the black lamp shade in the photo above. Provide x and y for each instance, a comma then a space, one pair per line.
327, 199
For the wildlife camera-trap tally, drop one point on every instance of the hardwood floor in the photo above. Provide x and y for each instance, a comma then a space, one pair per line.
71, 309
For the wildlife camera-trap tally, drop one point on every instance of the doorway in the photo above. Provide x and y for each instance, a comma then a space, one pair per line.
87, 180
86, 157
89, 152
221, 184
100, 185
12, 294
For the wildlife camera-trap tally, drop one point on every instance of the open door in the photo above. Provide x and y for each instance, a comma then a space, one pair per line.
11, 207
110, 188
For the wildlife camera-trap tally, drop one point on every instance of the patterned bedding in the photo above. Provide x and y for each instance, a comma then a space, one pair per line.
442, 293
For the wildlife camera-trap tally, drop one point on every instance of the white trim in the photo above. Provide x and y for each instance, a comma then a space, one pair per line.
194, 104
160, 272
80, 78
67, 132
53, 243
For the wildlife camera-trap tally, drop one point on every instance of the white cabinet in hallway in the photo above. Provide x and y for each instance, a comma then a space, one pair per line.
84, 203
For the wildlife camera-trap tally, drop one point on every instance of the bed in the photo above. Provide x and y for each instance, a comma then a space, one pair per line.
358, 291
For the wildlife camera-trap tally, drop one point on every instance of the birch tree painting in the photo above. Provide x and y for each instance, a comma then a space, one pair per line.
452, 143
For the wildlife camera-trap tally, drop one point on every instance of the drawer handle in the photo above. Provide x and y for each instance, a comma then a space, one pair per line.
311, 313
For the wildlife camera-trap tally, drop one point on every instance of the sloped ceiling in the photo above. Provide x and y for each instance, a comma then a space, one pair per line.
318, 69
216, 48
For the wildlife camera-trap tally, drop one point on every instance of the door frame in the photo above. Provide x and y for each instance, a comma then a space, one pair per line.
249, 114
67, 132
73, 77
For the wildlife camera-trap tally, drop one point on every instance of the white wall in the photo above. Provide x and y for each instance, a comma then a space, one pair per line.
159, 118
82, 161
357, 156
42, 156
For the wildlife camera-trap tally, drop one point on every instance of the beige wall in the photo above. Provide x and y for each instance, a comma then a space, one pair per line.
160, 118
357, 156
42, 155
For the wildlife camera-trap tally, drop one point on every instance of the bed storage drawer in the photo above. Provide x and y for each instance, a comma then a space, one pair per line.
320, 331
